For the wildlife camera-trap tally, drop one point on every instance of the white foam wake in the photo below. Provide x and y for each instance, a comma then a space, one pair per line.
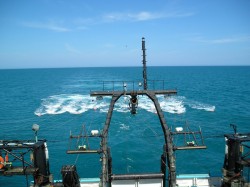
172, 105
78, 104
71, 103
200, 106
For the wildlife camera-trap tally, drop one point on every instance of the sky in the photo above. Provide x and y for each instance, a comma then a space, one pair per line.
104, 33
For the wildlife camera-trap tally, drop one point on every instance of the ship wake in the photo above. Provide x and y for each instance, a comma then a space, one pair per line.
78, 104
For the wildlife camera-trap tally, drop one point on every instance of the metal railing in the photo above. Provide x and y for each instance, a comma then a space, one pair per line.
132, 85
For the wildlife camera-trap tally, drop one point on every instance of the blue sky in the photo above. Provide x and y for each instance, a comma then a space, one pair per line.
93, 33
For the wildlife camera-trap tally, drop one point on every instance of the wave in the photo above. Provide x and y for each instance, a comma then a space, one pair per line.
172, 105
71, 103
200, 106
78, 104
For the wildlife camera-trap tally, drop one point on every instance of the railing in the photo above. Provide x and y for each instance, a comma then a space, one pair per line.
132, 85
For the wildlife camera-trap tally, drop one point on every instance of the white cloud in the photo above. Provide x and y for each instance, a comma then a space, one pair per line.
47, 25
143, 16
222, 40
230, 40
84, 23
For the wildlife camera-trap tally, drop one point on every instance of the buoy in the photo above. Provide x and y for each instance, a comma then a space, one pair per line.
192, 143
179, 129
82, 147
1, 162
94, 132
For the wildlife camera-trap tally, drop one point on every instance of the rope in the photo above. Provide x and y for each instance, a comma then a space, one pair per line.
76, 159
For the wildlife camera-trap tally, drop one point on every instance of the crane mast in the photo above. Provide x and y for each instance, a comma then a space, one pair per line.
145, 85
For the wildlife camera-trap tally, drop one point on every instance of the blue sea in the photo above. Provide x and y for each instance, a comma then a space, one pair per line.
58, 100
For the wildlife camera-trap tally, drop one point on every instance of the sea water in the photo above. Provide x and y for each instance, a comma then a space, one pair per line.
58, 100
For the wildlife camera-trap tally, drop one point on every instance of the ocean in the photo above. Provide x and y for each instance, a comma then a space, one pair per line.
58, 100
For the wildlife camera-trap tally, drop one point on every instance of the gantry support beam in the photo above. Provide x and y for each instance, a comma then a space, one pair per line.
167, 134
138, 92
168, 140
105, 156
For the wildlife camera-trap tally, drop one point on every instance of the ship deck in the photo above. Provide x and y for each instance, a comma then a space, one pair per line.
195, 180
182, 180
84, 182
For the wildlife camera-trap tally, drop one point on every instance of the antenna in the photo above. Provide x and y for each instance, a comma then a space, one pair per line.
144, 64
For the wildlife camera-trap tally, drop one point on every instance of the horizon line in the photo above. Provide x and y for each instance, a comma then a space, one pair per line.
27, 68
